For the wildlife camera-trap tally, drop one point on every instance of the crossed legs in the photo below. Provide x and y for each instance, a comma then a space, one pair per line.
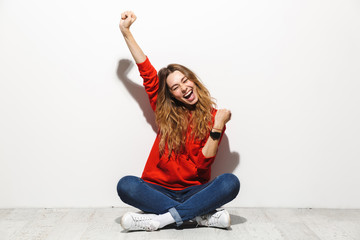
183, 205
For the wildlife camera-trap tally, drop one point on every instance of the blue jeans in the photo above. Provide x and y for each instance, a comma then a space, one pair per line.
183, 205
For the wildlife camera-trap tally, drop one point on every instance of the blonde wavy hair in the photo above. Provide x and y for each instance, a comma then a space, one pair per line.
174, 118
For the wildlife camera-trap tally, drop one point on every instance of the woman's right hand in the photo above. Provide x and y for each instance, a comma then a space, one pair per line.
127, 18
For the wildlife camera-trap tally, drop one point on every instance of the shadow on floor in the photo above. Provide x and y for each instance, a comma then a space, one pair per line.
235, 220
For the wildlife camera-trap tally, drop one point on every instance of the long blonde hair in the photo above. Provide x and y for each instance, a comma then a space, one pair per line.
174, 118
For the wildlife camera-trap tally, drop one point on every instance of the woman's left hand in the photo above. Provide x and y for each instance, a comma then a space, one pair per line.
221, 118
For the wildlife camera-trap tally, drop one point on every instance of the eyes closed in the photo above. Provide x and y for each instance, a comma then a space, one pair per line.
176, 86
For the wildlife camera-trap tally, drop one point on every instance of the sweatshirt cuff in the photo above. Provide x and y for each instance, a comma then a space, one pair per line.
145, 65
203, 161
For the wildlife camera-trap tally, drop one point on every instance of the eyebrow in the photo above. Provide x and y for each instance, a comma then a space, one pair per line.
177, 83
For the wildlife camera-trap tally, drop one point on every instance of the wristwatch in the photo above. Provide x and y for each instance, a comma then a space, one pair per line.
215, 135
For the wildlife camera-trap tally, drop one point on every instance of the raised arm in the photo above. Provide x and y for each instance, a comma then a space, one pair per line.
147, 71
127, 18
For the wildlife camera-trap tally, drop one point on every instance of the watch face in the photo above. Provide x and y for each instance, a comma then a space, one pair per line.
215, 135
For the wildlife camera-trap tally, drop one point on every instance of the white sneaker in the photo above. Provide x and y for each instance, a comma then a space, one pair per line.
139, 221
220, 219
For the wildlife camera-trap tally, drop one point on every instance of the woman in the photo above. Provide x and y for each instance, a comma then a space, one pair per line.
175, 186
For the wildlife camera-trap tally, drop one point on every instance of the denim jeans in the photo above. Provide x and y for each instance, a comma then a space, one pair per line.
183, 205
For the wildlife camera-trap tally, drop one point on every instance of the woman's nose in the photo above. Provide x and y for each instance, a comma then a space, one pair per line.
183, 88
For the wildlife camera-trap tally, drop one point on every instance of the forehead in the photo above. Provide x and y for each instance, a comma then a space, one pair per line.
174, 77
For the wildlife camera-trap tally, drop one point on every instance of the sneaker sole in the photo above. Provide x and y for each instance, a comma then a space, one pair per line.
228, 215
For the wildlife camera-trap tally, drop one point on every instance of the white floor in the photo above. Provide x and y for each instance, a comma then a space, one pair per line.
247, 223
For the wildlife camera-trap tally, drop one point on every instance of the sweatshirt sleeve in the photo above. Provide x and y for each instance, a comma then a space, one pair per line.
151, 80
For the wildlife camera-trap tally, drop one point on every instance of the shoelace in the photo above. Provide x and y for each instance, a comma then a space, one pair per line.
143, 222
211, 219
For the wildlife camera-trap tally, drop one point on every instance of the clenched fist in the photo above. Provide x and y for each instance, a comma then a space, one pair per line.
221, 118
127, 18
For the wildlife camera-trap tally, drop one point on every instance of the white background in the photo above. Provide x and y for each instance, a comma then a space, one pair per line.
75, 119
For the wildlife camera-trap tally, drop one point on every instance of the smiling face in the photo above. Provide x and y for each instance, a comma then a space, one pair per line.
182, 88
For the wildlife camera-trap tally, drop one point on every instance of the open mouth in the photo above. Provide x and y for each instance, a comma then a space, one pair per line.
188, 95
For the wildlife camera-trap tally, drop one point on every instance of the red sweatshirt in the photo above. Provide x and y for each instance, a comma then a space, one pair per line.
180, 170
